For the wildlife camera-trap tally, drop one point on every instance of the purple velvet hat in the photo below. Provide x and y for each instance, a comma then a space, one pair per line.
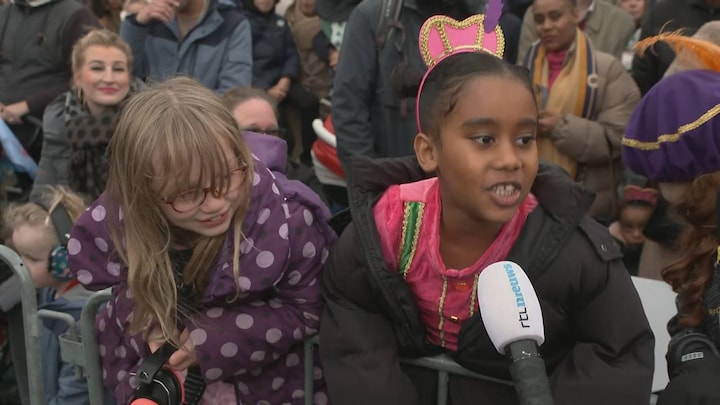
674, 133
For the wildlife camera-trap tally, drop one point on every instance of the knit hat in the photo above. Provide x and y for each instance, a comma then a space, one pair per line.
674, 133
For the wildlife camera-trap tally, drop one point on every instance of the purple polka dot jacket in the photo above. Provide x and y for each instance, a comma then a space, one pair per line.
254, 342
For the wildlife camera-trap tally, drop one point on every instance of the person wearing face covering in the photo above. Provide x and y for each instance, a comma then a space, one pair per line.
373, 105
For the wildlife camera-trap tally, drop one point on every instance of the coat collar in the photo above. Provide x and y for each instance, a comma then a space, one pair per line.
559, 196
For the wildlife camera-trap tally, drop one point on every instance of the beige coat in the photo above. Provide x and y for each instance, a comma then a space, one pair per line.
587, 142
315, 74
609, 28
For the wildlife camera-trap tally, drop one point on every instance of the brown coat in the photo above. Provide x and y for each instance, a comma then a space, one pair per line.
587, 141
609, 28
315, 73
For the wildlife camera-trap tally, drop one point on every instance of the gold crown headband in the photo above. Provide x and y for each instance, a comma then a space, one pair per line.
442, 36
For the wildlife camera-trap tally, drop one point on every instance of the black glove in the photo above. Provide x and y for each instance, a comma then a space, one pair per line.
694, 369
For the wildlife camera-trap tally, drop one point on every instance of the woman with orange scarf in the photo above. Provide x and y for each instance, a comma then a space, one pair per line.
585, 99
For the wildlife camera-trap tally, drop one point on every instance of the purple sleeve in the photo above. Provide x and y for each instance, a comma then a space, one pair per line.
120, 353
90, 247
89, 251
252, 335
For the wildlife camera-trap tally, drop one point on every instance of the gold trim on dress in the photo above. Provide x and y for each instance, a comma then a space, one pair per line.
441, 305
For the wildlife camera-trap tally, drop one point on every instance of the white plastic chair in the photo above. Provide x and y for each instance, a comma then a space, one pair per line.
658, 301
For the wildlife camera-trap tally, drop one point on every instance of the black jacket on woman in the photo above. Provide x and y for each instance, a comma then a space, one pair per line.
598, 344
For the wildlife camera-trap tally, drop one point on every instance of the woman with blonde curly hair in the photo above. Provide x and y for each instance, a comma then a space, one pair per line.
673, 138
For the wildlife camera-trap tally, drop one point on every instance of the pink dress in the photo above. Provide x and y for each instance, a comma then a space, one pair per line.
409, 226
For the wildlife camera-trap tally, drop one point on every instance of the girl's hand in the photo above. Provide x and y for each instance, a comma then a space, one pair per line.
185, 357
155, 339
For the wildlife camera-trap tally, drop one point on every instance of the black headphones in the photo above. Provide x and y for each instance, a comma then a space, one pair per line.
159, 385
58, 261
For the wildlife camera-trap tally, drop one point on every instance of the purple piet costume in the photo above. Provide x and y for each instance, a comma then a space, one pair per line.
674, 133
254, 342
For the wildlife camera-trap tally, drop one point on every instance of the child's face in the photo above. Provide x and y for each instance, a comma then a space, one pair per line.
487, 159
201, 211
632, 221
34, 243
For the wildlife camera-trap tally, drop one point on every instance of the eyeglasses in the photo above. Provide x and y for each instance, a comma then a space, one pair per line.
191, 199
269, 131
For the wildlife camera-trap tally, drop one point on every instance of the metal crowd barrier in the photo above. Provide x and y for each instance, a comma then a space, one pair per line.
78, 346
443, 364
32, 324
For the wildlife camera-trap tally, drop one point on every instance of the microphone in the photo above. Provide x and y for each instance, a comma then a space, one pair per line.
513, 320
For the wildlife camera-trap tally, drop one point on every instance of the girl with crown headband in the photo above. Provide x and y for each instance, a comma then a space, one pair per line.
672, 138
402, 279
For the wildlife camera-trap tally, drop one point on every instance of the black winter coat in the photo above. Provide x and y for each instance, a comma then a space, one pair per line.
598, 347
275, 54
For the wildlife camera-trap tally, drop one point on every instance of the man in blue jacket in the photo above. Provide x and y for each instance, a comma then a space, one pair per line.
208, 40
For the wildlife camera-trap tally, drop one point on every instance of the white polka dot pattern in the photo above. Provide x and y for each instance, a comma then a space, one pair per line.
273, 335
213, 374
98, 213
281, 257
101, 244
228, 350
73, 246
292, 360
265, 259
244, 321
113, 268
257, 356
214, 313
84, 276
198, 336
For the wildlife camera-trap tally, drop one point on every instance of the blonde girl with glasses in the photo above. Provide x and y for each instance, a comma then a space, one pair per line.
204, 247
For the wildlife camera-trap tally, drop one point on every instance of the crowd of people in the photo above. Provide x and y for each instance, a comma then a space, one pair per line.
177, 167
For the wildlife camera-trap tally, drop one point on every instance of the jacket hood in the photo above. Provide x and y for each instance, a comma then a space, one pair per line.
558, 194
269, 149
70, 303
